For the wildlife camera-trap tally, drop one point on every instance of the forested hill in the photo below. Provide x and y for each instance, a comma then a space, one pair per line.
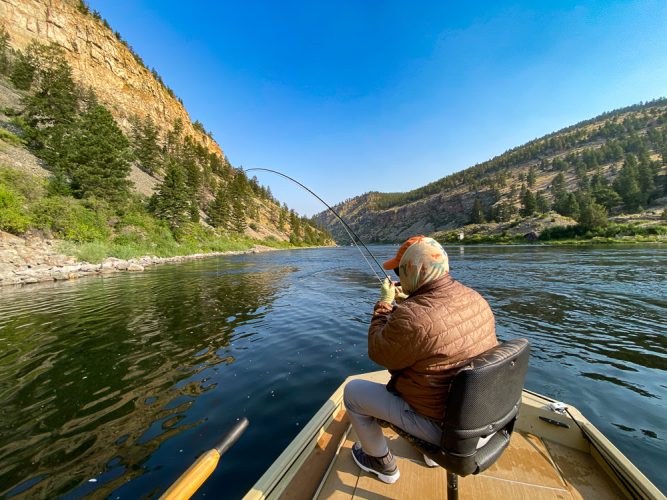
110, 144
609, 165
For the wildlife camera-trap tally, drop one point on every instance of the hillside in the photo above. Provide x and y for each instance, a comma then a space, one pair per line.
62, 69
594, 173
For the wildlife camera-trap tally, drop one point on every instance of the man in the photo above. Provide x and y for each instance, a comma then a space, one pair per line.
423, 342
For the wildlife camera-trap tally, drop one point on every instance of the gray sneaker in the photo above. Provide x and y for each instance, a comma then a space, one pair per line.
383, 467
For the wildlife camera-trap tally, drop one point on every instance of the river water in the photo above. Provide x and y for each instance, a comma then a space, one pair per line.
112, 386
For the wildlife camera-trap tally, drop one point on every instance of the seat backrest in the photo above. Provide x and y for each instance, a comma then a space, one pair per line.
485, 396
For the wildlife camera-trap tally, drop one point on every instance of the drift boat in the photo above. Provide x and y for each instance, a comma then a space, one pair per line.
554, 452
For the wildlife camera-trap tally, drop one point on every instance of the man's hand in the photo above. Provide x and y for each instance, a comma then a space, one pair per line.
387, 292
400, 296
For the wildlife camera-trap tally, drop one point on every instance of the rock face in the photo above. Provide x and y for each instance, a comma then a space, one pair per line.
98, 60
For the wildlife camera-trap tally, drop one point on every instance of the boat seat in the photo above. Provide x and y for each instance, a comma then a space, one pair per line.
482, 405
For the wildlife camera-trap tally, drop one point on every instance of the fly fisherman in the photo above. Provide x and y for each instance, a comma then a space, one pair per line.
422, 342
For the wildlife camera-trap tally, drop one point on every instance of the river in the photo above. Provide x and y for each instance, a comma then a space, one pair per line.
112, 386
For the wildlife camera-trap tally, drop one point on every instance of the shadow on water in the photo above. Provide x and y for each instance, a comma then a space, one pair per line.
126, 380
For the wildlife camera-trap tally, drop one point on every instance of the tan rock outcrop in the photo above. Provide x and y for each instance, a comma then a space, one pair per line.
98, 60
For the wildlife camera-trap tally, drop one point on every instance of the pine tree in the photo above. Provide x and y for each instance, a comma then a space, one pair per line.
528, 203
477, 213
591, 214
238, 215
219, 212
531, 177
23, 71
570, 206
145, 143
627, 184
171, 203
602, 193
51, 109
4, 51
97, 157
541, 202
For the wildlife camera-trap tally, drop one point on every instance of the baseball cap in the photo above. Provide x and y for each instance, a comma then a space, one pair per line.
393, 263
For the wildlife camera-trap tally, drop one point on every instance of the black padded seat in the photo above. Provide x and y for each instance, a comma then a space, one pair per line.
483, 401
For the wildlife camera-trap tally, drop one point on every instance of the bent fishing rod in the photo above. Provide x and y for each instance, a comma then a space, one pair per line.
350, 232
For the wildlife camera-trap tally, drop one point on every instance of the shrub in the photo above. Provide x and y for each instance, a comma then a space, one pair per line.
12, 218
70, 219
8, 137
28, 186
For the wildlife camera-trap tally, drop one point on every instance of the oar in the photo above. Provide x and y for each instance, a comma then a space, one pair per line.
190, 481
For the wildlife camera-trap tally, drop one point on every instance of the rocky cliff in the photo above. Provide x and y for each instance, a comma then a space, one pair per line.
99, 60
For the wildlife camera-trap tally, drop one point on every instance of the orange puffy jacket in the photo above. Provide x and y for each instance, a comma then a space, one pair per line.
427, 338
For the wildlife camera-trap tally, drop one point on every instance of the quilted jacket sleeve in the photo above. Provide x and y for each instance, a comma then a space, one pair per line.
393, 337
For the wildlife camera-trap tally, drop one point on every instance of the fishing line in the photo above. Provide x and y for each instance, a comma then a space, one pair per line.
347, 228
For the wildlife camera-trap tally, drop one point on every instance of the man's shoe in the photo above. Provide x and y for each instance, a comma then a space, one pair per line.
383, 467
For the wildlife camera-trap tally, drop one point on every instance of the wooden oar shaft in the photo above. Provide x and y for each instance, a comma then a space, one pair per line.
190, 481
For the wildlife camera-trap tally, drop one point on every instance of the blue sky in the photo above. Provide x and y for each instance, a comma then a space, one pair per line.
357, 96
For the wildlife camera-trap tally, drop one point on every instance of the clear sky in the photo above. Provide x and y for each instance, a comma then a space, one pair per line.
366, 95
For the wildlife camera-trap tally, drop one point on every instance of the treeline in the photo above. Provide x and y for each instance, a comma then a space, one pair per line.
90, 159
617, 132
597, 191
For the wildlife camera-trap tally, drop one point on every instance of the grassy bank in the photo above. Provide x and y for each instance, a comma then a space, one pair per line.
570, 235
92, 230
96, 251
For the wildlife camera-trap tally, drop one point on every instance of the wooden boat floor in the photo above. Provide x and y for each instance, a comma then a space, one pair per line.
529, 469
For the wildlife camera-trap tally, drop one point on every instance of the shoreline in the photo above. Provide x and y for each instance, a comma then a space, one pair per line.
36, 260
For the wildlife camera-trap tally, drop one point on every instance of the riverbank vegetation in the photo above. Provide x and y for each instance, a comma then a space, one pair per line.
201, 204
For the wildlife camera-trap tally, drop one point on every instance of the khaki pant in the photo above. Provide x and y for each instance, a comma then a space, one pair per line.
365, 401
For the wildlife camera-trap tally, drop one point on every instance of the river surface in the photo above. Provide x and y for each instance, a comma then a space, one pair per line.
112, 386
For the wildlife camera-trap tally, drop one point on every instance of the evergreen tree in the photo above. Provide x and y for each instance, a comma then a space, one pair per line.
570, 206
558, 186
4, 51
528, 203
97, 157
541, 202
531, 177
219, 212
591, 215
603, 193
238, 215
145, 143
23, 71
171, 203
51, 109
627, 185
477, 213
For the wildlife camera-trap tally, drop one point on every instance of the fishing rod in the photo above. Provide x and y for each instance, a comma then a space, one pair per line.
347, 228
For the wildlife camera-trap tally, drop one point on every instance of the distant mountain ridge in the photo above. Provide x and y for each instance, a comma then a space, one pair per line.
594, 147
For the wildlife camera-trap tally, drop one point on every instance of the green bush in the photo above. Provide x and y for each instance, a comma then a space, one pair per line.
7, 136
28, 186
70, 219
12, 217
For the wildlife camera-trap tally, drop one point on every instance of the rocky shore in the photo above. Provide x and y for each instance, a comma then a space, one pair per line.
34, 260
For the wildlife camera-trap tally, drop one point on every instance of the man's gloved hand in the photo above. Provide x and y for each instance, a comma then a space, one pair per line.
387, 292
400, 296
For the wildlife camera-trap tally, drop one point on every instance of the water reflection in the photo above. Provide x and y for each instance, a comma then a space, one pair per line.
95, 377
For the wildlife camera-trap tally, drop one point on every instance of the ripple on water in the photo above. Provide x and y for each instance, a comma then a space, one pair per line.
125, 380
